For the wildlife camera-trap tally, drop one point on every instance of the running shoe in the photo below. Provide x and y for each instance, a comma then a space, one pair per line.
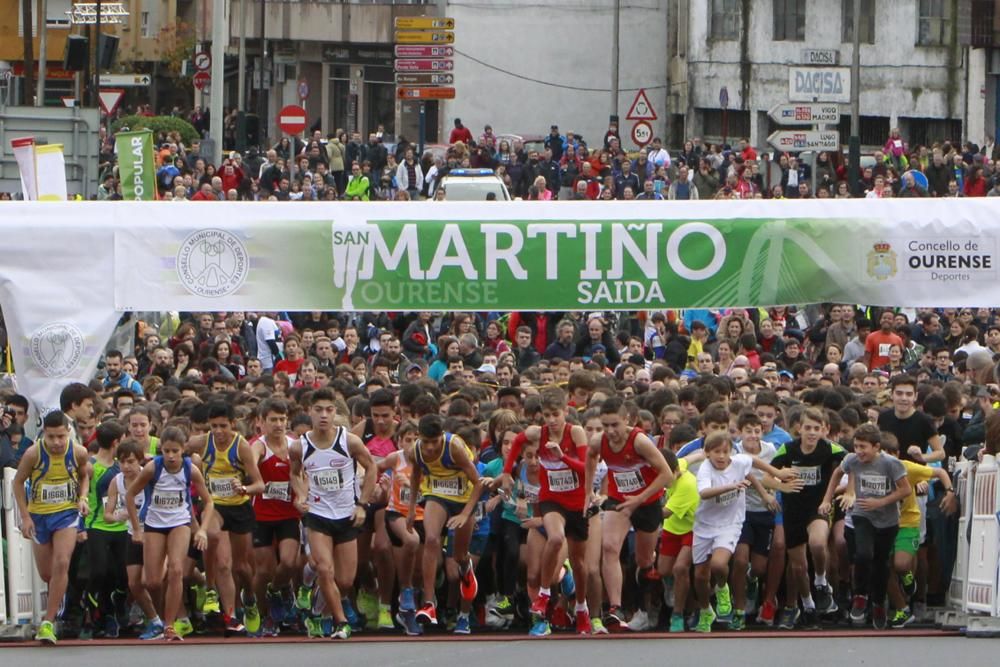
427, 614
767, 612
233, 626
901, 618
46, 633
788, 618
639, 622
583, 625
705, 620
615, 620
462, 625
200, 597
859, 610
408, 621
367, 606
211, 604
356, 620
879, 619
739, 621
468, 585
170, 634
568, 583
303, 600
183, 627
342, 631
753, 589
407, 601
504, 607
251, 616
275, 605
677, 623
385, 618
825, 604
723, 604
909, 584
540, 607
450, 618
810, 619
541, 629
269, 628
111, 627
668, 592
597, 627
314, 627
560, 620
153, 631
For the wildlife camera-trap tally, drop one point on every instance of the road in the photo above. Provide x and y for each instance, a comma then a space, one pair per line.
746, 650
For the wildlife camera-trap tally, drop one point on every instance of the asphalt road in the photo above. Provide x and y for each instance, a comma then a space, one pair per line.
747, 650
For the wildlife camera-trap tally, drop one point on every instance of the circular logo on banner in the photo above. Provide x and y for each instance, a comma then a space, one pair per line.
57, 348
212, 263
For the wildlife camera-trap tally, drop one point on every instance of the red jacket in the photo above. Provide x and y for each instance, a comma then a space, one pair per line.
460, 134
231, 181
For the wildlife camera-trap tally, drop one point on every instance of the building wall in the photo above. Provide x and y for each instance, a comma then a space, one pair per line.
565, 47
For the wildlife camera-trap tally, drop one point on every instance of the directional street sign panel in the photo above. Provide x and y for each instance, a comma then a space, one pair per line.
110, 98
425, 37
641, 108
795, 141
412, 51
423, 23
424, 79
805, 114
126, 79
406, 93
424, 65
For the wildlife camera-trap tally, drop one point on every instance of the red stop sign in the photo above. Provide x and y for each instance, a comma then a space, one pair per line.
292, 119
201, 79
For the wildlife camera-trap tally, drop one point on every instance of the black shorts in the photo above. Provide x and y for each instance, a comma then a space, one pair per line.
577, 527
645, 518
797, 529
451, 507
238, 519
341, 530
418, 526
371, 516
758, 527
133, 552
269, 533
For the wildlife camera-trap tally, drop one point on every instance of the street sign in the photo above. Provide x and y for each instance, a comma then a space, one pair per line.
425, 37
641, 108
805, 114
410, 51
201, 80
303, 89
424, 79
202, 61
405, 93
819, 84
109, 99
795, 141
68, 102
423, 23
424, 65
126, 79
642, 133
292, 119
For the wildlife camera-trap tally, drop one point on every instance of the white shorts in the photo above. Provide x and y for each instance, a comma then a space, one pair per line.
725, 538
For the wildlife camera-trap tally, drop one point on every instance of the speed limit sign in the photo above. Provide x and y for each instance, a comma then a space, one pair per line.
642, 133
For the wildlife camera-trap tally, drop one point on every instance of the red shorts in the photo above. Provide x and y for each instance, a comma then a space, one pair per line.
671, 545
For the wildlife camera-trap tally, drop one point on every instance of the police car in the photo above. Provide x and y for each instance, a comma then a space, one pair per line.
473, 185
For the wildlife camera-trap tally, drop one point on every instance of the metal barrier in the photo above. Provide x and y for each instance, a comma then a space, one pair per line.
26, 594
965, 476
981, 587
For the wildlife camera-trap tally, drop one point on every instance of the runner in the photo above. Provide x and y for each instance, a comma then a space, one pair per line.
674, 565
59, 471
232, 476
164, 529
562, 503
637, 475
325, 466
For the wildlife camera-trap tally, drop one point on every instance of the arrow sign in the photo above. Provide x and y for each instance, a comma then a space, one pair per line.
425, 79
425, 93
423, 23
110, 98
641, 109
795, 141
421, 65
412, 51
805, 114
425, 37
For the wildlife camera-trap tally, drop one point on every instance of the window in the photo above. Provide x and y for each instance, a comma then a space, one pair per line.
55, 15
144, 24
934, 23
725, 20
867, 21
789, 21
677, 28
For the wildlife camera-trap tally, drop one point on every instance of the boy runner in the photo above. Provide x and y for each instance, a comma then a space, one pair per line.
674, 566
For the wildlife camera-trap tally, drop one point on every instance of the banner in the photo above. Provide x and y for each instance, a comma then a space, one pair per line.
136, 165
77, 265
24, 153
50, 170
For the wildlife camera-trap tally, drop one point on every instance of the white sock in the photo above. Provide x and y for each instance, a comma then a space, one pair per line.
545, 591
807, 602
308, 575
819, 580
156, 621
581, 606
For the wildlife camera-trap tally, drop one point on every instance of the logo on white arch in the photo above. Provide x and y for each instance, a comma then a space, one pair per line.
57, 348
212, 263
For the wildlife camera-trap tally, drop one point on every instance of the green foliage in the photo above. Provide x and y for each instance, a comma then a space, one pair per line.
158, 124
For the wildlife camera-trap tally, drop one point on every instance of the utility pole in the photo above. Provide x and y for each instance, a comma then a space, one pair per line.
219, 32
614, 56
241, 118
854, 143
95, 85
43, 44
29, 55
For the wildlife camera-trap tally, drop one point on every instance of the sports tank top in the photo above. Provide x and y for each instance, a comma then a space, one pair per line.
332, 477
378, 446
224, 472
442, 476
559, 482
168, 496
275, 503
628, 473
54, 481
399, 490
119, 509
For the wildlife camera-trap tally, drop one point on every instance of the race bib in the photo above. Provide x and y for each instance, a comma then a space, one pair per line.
119, 507
404, 495
278, 491
222, 487
810, 475
561, 481
167, 500
479, 512
727, 498
56, 494
873, 485
628, 482
531, 493
452, 486
328, 480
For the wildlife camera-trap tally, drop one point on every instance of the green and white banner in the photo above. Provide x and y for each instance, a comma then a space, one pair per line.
60, 310
136, 165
